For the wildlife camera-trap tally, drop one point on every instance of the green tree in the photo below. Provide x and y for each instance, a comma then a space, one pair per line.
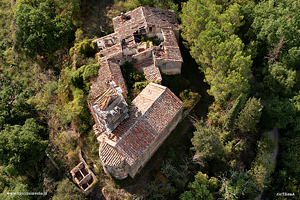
273, 20
291, 154
238, 186
206, 141
209, 31
83, 74
15, 186
263, 166
85, 47
278, 112
250, 115
14, 108
67, 190
279, 79
233, 112
21, 147
201, 188
40, 30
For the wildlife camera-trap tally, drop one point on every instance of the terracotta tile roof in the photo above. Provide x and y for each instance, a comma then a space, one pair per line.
109, 155
110, 52
161, 18
145, 63
144, 17
125, 28
152, 73
170, 54
152, 111
169, 38
171, 51
147, 67
108, 71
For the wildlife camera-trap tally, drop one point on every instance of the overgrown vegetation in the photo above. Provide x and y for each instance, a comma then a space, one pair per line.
248, 52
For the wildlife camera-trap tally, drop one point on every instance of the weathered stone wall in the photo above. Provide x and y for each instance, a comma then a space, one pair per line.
143, 55
129, 51
169, 68
119, 172
155, 31
146, 155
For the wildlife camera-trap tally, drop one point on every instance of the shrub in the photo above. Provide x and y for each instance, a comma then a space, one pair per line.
85, 47
83, 74
189, 98
131, 75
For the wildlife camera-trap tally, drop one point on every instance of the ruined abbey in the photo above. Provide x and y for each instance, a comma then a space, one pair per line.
130, 135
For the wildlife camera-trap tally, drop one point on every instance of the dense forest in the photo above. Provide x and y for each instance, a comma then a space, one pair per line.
241, 59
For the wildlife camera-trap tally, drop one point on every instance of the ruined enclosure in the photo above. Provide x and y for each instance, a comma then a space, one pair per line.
84, 177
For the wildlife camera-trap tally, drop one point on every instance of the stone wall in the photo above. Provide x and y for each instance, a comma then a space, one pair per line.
155, 31
148, 153
169, 68
128, 51
120, 171
83, 176
143, 55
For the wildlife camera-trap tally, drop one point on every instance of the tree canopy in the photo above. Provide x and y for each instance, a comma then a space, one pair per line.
21, 147
201, 188
209, 31
250, 115
206, 141
14, 108
40, 29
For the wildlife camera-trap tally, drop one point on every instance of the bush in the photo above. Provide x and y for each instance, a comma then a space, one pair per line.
189, 98
83, 74
85, 47
131, 75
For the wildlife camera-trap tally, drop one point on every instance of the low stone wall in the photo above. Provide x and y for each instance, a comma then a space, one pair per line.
189, 110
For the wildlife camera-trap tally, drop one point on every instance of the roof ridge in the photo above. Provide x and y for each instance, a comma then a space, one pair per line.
143, 13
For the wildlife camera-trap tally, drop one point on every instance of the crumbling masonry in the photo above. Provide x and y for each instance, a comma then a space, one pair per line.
129, 136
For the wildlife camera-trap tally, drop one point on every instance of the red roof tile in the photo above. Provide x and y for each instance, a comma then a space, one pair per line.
153, 109
108, 71
147, 67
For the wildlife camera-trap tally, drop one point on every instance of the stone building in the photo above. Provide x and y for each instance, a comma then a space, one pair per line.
125, 44
154, 113
129, 136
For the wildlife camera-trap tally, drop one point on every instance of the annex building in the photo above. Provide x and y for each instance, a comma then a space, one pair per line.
130, 135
